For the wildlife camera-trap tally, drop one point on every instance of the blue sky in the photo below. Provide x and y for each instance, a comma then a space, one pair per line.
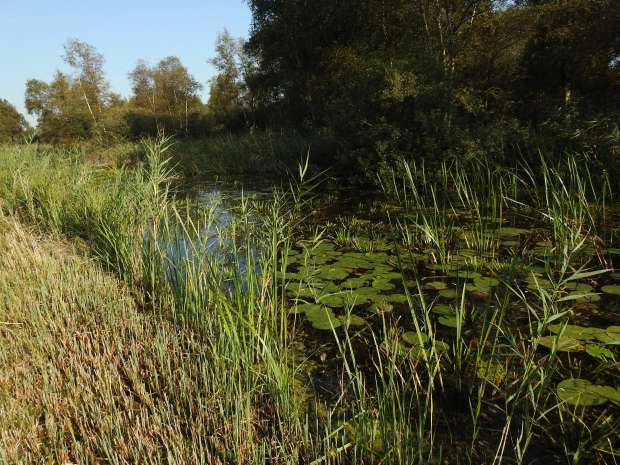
32, 34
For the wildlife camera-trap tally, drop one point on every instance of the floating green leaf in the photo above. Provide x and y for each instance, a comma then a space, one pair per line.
383, 285
323, 318
352, 320
561, 343
334, 273
450, 321
613, 289
436, 285
577, 391
415, 339
303, 308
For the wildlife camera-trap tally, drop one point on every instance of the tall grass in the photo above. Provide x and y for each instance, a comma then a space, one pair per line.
171, 340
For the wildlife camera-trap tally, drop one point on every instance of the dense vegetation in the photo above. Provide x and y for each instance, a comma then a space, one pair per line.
461, 310
384, 80
140, 325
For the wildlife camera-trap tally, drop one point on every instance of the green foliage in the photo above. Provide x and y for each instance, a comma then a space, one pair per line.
12, 123
440, 79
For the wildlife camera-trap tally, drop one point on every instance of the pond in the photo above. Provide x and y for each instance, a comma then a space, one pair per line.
378, 264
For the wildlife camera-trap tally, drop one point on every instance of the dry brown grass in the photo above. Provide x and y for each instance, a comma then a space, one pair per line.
85, 377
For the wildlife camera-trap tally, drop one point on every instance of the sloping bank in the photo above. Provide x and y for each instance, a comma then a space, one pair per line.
85, 377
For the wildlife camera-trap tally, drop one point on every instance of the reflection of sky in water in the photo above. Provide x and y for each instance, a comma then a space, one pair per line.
213, 249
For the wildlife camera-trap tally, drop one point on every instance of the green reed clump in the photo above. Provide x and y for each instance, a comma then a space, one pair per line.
64, 194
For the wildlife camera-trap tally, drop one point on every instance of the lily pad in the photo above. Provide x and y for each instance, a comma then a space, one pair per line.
611, 335
303, 308
412, 338
577, 391
383, 285
333, 300
599, 352
613, 289
486, 281
436, 285
323, 318
396, 298
582, 296
448, 294
576, 332
464, 274
333, 273
354, 283
443, 309
352, 320
448, 320
381, 307
511, 232
610, 393
562, 343
575, 286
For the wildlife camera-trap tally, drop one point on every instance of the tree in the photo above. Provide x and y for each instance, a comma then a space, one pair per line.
394, 77
166, 91
59, 107
228, 96
89, 76
12, 123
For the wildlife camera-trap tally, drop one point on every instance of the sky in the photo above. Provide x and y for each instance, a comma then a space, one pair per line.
32, 34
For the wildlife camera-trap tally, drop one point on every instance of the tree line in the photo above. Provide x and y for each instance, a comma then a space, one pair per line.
384, 78
80, 105
439, 77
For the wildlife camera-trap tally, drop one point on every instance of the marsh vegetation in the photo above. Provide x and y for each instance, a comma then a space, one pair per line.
391, 235
463, 315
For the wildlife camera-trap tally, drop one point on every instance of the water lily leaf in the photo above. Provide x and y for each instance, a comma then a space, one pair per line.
412, 338
323, 318
613, 289
581, 296
577, 391
562, 343
442, 267
436, 285
448, 320
575, 286
441, 347
610, 393
575, 331
354, 283
611, 335
443, 309
464, 274
389, 275
486, 281
300, 290
478, 291
324, 247
381, 307
289, 276
396, 298
599, 352
511, 232
491, 371
448, 294
334, 273
380, 269
383, 285
352, 320
332, 300
305, 307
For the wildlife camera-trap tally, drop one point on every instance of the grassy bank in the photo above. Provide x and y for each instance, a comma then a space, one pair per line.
141, 329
